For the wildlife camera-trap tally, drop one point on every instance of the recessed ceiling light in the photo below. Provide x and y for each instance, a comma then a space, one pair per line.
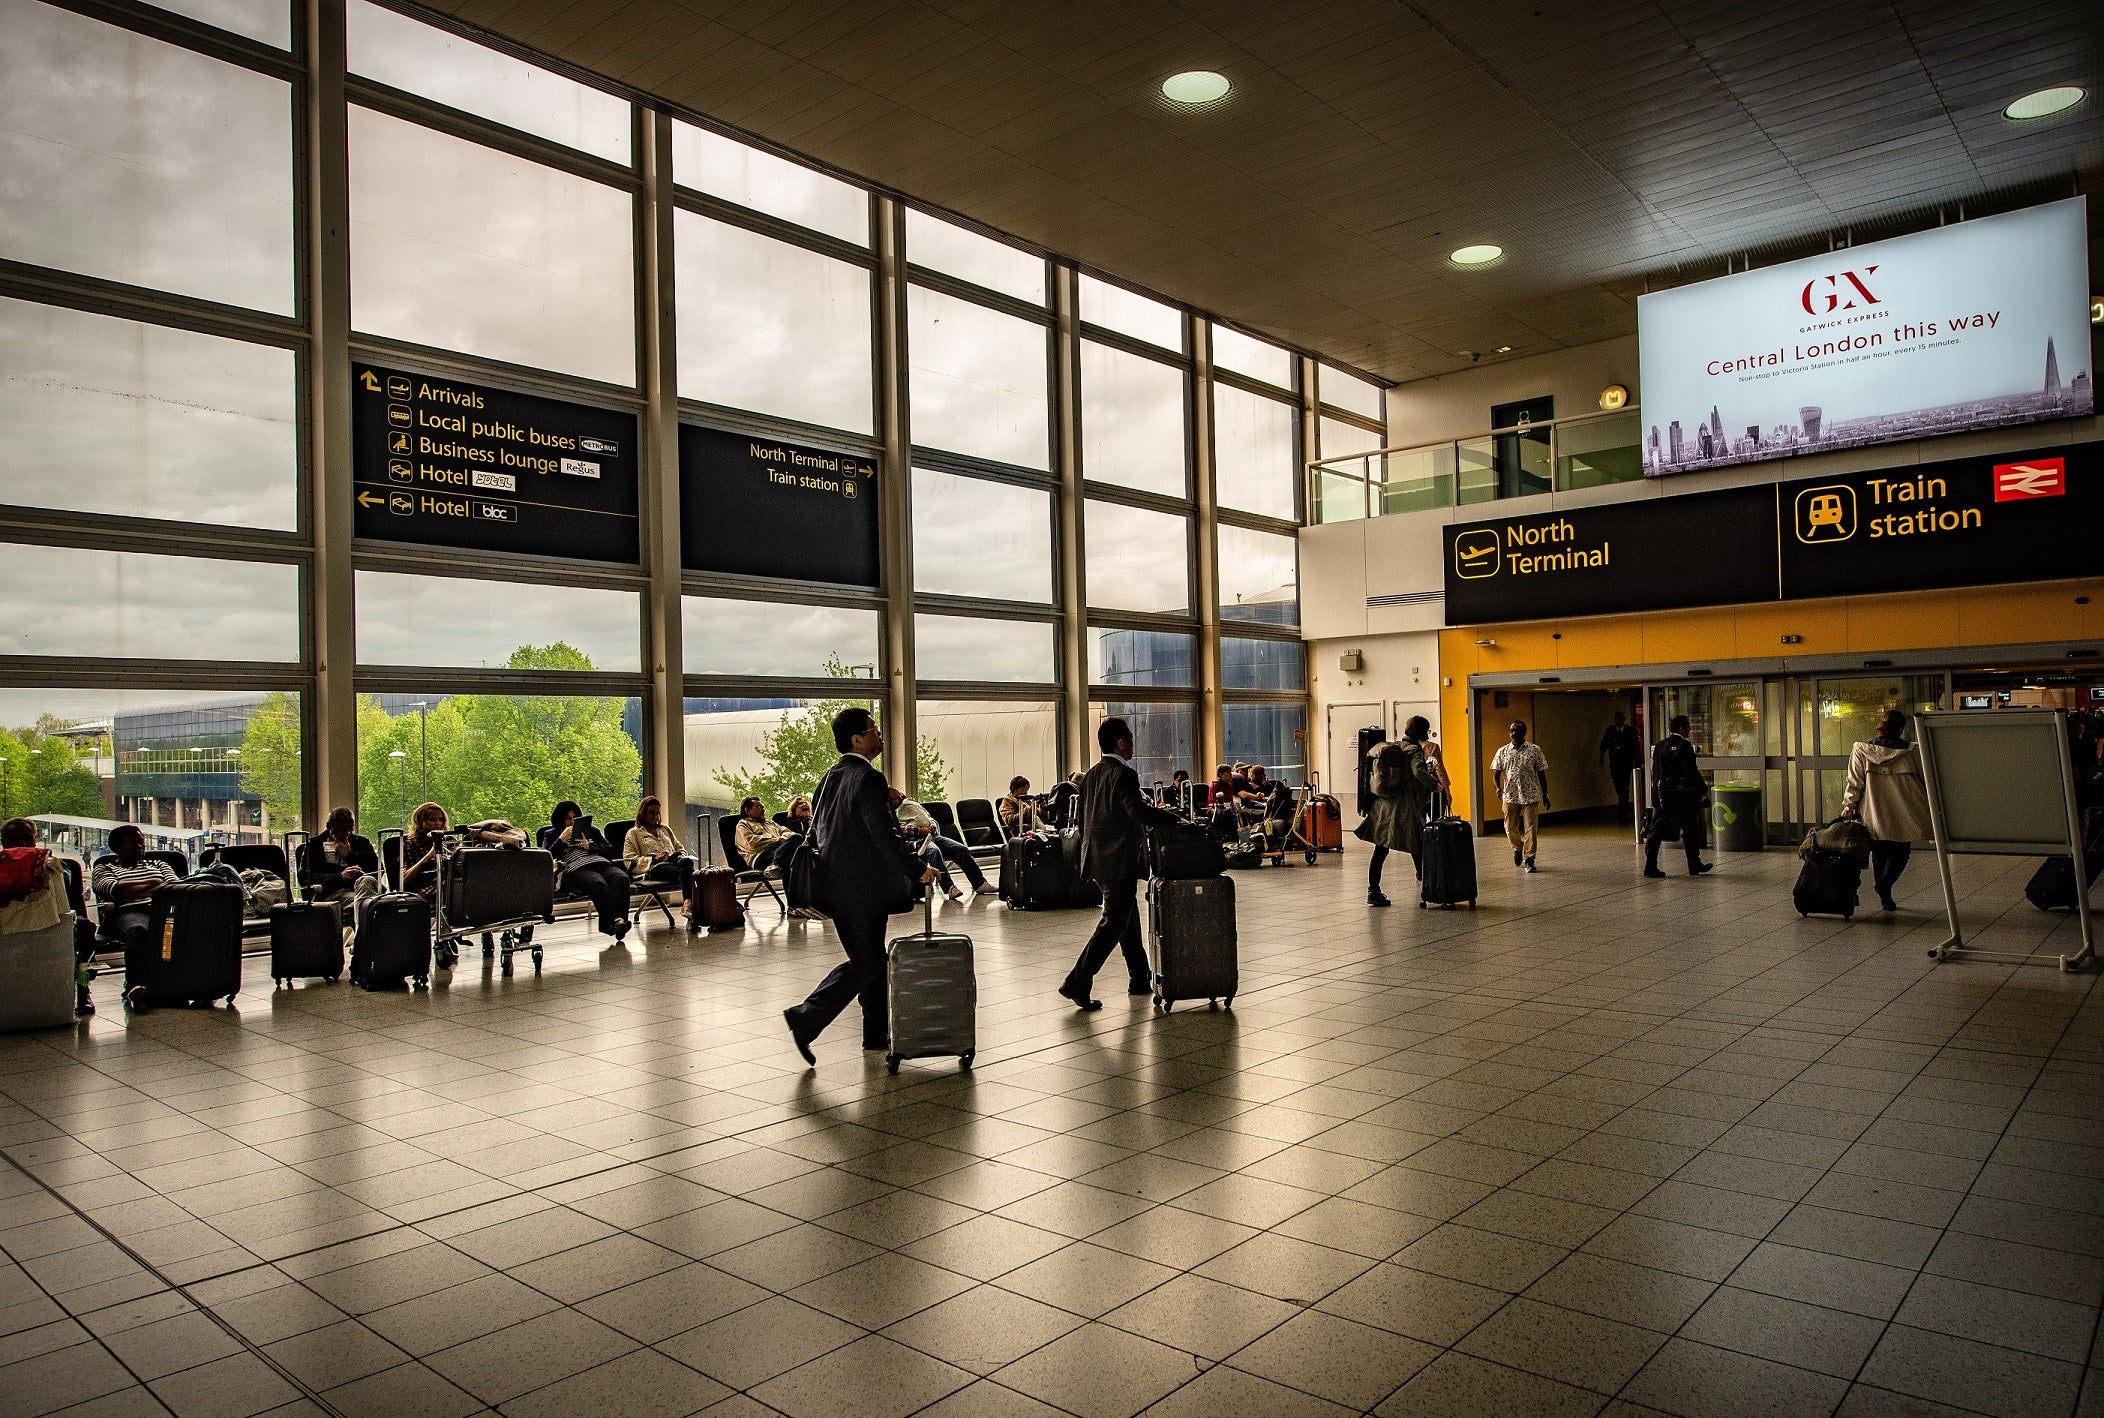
1195, 87
1476, 255
1504, 349
2044, 103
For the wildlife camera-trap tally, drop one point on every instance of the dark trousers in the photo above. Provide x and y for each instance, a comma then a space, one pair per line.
605, 884
1379, 860
1118, 927
679, 872
1690, 825
1887, 861
860, 976
1623, 774
956, 854
127, 925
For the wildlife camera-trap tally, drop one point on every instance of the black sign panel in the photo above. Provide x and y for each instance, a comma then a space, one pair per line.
447, 463
761, 507
1656, 554
1962, 522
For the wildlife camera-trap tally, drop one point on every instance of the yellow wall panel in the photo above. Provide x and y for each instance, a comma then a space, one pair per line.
1521, 649
1690, 635
1454, 731
1608, 640
2006, 615
1920, 620
1823, 624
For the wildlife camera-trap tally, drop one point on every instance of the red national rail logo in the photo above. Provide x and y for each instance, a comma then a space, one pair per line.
2040, 477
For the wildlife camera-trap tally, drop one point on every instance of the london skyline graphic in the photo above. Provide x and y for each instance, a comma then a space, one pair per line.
1713, 442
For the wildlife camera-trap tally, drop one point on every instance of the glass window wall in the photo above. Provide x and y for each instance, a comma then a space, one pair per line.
736, 172
136, 605
133, 160
1132, 421
1233, 350
771, 327
1137, 559
975, 648
975, 537
188, 766
1348, 392
971, 748
725, 636
131, 420
1273, 735
421, 59
1256, 453
978, 381
1115, 308
465, 248
1164, 738
1259, 576
1142, 658
1249, 663
512, 756
265, 21
773, 749
941, 246
405, 619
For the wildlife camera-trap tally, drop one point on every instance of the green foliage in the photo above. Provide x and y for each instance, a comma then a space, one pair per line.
495, 755
797, 752
270, 758
43, 774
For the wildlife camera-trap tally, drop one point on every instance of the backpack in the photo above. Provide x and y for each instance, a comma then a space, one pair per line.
1391, 770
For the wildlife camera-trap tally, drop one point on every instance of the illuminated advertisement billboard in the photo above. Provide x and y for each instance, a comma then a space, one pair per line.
1973, 325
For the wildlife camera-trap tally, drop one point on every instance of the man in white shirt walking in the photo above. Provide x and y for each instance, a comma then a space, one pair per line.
1522, 774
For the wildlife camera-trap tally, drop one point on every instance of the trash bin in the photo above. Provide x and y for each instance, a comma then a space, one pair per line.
1735, 817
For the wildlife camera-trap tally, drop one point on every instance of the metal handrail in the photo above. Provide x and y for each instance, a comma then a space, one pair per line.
1358, 467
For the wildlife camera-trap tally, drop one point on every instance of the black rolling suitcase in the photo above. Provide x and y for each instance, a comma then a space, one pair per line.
487, 886
1041, 872
306, 941
395, 945
1191, 947
2052, 886
1369, 740
1447, 860
1827, 884
192, 954
1183, 853
933, 993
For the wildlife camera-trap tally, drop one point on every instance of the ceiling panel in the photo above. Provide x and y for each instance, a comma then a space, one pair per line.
1606, 146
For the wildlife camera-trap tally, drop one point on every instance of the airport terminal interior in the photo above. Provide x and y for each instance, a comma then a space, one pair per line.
521, 407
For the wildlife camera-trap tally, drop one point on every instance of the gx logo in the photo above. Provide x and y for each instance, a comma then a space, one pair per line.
1823, 295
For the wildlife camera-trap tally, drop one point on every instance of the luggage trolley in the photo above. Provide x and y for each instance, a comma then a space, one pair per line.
509, 929
1303, 814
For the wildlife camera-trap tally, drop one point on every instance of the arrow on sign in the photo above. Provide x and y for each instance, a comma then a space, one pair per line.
371, 384
370, 499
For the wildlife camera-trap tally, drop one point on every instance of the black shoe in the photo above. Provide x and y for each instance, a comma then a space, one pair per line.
1515, 856
1375, 898
1655, 873
1698, 868
1080, 998
1885, 900
1530, 864
800, 1038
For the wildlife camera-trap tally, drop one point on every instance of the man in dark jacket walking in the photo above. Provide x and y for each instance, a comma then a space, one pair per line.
866, 873
1114, 823
1677, 791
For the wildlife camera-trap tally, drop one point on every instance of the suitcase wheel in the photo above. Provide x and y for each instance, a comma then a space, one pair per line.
964, 1060
1228, 1003
536, 960
1311, 858
422, 982
1213, 1005
336, 978
891, 1063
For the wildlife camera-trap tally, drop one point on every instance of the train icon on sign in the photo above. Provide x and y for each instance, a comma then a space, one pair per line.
1476, 553
1826, 514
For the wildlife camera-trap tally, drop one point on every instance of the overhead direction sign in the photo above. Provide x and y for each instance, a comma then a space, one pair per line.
762, 507
443, 462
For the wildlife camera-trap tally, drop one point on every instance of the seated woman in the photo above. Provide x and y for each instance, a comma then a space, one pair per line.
341, 867
420, 849
588, 866
1019, 811
763, 844
653, 852
798, 818
1221, 791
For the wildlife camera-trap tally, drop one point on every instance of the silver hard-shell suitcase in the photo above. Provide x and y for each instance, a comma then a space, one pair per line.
934, 995
1191, 944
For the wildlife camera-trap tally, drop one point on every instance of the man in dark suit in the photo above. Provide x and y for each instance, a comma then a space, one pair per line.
866, 873
1114, 823
1677, 793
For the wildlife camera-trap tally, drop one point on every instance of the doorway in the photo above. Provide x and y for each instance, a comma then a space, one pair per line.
1522, 456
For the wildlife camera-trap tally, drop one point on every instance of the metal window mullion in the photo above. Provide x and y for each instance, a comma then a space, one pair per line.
714, 686
1133, 345
456, 364
657, 353
1001, 691
487, 133
943, 284
1076, 742
787, 593
718, 209
96, 296
94, 531
928, 603
195, 35
1212, 729
725, 419
895, 659
501, 568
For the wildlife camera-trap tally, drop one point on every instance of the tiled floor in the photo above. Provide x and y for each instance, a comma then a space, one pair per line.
1602, 1145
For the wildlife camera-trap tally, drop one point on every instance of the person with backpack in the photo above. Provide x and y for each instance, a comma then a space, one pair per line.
1887, 793
1405, 776
1677, 792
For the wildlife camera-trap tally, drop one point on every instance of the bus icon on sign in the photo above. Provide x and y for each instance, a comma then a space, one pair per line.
1826, 514
1476, 553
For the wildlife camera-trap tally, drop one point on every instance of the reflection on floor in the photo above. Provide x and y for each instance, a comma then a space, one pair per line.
1602, 1144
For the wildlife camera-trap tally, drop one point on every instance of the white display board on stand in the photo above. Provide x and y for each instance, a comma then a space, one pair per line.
2003, 784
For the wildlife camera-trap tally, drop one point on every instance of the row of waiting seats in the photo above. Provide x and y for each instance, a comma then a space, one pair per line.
973, 822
